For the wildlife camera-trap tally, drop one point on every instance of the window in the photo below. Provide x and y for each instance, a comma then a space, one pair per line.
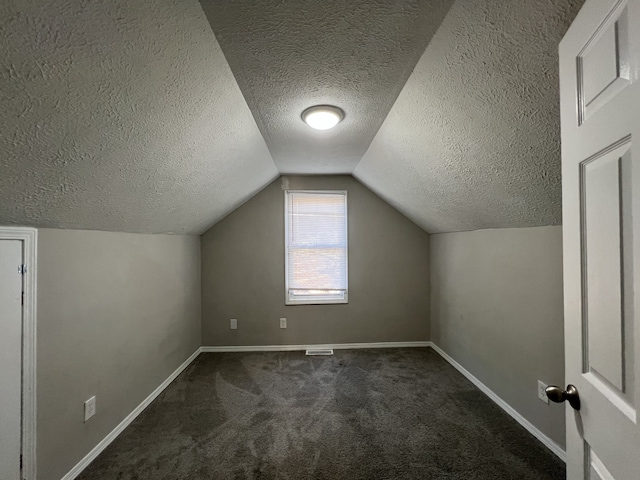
315, 247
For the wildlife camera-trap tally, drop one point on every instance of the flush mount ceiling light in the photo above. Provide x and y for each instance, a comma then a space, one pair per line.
322, 117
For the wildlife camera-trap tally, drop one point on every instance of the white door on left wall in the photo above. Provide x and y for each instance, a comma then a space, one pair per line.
10, 358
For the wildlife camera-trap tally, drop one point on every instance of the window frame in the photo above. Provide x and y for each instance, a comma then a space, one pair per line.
314, 299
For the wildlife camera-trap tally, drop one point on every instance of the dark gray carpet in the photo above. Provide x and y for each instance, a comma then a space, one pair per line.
361, 414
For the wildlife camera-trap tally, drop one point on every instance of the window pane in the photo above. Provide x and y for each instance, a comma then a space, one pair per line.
317, 268
316, 244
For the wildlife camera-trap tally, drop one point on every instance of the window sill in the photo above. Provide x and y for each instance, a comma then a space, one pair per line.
332, 301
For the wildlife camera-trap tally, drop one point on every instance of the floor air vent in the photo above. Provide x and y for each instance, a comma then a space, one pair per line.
320, 351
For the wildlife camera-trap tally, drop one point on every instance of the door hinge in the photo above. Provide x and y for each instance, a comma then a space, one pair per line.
22, 269
23, 298
20, 461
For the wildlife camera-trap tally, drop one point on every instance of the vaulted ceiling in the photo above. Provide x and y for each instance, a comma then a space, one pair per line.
287, 56
158, 116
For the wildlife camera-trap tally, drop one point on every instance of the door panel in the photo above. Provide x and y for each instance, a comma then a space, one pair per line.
600, 101
10, 358
601, 205
597, 470
603, 63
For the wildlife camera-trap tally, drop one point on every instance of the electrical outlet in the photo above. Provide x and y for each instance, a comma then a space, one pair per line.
283, 323
542, 395
233, 324
89, 408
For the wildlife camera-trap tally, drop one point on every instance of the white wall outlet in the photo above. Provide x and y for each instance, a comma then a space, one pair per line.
283, 323
233, 324
542, 395
89, 408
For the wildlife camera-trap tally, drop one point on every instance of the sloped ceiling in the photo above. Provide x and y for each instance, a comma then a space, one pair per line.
123, 116
289, 55
473, 140
126, 116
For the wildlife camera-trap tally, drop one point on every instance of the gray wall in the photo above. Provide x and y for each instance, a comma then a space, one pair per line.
243, 274
117, 314
497, 309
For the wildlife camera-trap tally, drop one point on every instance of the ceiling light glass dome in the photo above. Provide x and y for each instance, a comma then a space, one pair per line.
322, 117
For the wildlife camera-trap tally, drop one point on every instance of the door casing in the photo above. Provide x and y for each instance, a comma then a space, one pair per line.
29, 238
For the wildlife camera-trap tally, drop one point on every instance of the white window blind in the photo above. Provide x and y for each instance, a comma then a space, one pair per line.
316, 247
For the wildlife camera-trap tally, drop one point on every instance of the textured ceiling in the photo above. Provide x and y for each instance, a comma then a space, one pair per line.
290, 54
121, 116
473, 139
126, 116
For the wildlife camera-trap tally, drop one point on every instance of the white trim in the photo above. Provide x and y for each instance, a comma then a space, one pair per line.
29, 238
550, 444
97, 450
292, 348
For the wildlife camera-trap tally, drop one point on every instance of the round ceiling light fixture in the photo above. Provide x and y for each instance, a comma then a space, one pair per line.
322, 117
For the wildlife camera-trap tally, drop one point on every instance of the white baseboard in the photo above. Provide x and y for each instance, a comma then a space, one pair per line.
292, 348
550, 444
97, 450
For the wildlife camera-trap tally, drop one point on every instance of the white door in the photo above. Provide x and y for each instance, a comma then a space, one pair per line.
10, 358
600, 109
